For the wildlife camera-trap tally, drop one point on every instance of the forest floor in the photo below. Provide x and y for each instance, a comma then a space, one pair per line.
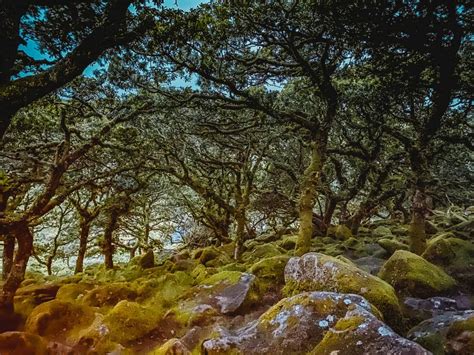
364, 294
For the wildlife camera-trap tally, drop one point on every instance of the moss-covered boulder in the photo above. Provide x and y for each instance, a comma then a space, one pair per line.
412, 275
172, 347
319, 272
15, 343
454, 255
73, 292
129, 321
392, 245
212, 256
227, 291
288, 242
186, 265
401, 230
270, 269
55, 318
41, 292
200, 273
93, 338
360, 333
110, 294
165, 289
270, 274
450, 333
382, 231
294, 325
262, 251
342, 232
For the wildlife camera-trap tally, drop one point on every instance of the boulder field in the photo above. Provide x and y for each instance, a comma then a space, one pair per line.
349, 295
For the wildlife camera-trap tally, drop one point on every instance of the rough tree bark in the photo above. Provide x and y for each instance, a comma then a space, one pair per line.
85, 225
8, 252
108, 247
24, 240
307, 200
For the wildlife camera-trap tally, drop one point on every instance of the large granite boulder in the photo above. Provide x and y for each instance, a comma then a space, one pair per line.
300, 324
226, 292
449, 333
319, 272
454, 255
412, 275
361, 333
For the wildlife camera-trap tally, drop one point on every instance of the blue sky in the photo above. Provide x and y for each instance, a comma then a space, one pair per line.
32, 50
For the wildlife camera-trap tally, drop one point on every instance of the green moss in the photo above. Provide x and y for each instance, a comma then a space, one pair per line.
339, 276
211, 256
288, 242
346, 260
463, 325
342, 232
412, 275
94, 338
451, 253
262, 251
382, 231
392, 245
109, 295
165, 289
24, 305
129, 321
184, 265
55, 317
189, 313
232, 267
227, 276
72, 292
172, 346
349, 323
200, 272
270, 269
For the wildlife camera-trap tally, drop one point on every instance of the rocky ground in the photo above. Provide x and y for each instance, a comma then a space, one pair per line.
364, 294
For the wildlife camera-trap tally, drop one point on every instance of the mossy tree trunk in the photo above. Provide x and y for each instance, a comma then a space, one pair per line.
242, 200
24, 239
85, 225
417, 226
331, 204
107, 246
307, 199
240, 220
419, 208
7, 257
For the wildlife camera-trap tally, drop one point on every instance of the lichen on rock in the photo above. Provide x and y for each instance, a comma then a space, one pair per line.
319, 272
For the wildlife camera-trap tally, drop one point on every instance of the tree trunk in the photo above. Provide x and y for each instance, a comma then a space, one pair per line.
8, 252
108, 248
356, 220
240, 237
419, 208
307, 198
83, 237
417, 227
16, 275
49, 266
329, 212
